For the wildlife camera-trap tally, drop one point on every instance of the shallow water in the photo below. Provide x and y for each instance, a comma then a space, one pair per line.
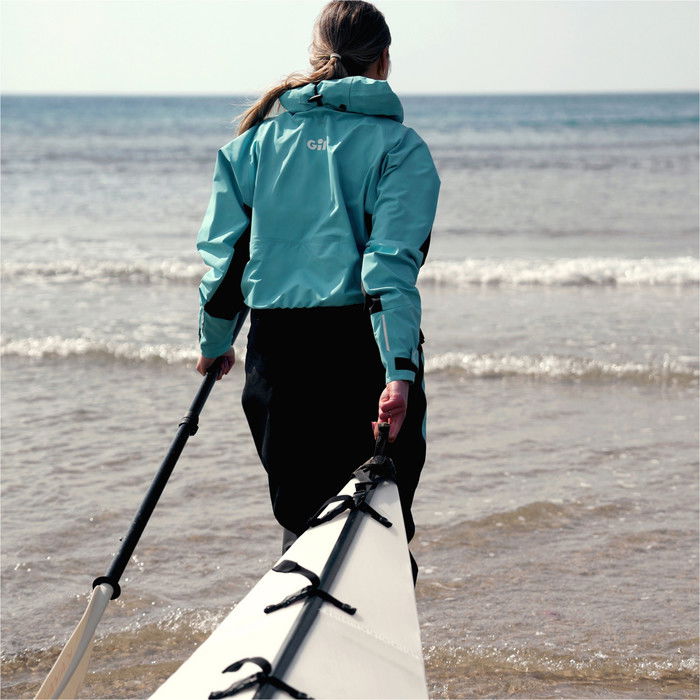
551, 558
557, 516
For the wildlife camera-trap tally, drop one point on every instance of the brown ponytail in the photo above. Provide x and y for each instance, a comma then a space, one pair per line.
354, 29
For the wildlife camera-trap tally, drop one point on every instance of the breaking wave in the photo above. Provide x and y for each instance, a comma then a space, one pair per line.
562, 272
562, 367
518, 665
56, 346
487, 366
82, 271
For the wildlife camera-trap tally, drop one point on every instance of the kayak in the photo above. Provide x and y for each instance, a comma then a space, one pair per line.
335, 617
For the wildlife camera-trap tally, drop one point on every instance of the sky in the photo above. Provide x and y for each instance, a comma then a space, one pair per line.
438, 47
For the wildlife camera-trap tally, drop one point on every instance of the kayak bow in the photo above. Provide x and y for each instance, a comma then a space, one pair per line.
334, 618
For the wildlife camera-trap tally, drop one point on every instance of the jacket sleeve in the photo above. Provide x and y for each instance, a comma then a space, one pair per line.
223, 242
402, 219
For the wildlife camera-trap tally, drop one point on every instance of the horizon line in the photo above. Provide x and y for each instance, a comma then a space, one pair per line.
505, 93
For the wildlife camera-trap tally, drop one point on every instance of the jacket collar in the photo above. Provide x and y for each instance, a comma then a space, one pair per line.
354, 94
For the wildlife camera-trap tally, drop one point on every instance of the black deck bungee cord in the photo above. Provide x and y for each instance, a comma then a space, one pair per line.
373, 472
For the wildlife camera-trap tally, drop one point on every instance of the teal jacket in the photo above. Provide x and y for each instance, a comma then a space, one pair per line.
330, 203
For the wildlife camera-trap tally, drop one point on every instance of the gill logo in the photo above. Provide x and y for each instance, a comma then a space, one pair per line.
317, 144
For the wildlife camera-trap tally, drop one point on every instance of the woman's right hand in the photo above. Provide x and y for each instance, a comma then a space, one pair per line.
228, 359
393, 404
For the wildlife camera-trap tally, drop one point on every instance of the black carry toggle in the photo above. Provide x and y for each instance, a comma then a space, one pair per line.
382, 440
374, 470
346, 502
378, 467
287, 566
262, 677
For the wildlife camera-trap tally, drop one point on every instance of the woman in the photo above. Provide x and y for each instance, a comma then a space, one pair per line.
319, 220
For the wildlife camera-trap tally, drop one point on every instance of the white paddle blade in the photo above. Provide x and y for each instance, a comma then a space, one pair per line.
67, 674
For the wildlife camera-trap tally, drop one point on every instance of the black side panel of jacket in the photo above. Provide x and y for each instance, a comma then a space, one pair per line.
227, 300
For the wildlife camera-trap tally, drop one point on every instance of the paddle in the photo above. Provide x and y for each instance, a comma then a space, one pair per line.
67, 673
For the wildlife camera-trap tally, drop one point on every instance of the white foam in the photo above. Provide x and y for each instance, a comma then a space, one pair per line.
563, 272
561, 367
56, 346
85, 271
557, 367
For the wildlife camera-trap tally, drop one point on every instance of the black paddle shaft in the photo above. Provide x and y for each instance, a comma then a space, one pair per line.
187, 426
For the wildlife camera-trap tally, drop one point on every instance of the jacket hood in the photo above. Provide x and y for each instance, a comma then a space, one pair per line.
354, 94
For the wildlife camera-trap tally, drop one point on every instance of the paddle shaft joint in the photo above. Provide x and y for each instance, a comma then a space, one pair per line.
191, 421
187, 427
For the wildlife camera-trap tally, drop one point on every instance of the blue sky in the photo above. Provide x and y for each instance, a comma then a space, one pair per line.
439, 46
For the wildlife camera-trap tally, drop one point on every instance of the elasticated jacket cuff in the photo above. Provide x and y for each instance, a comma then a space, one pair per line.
216, 335
403, 375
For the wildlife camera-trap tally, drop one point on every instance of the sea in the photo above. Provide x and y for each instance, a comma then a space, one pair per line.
557, 517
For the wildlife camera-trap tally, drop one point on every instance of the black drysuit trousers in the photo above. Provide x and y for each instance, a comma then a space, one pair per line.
313, 380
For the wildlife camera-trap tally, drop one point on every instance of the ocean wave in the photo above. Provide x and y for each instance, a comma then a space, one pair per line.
486, 366
540, 515
536, 516
57, 346
23, 670
492, 668
592, 666
88, 271
564, 272
560, 367
561, 272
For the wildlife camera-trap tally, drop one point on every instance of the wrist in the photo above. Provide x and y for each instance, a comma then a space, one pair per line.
399, 386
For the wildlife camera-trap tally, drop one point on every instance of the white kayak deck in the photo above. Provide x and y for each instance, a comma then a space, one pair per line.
375, 653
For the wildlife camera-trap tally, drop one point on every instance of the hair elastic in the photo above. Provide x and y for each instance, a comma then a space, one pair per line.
336, 55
